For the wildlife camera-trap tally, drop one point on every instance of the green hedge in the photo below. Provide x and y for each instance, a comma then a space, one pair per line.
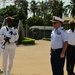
28, 41
48, 39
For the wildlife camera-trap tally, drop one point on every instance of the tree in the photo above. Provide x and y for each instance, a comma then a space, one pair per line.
23, 6
61, 8
47, 21
38, 10
44, 8
9, 10
70, 8
33, 7
35, 21
57, 8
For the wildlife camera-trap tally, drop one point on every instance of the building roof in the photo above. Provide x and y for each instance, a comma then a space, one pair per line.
42, 27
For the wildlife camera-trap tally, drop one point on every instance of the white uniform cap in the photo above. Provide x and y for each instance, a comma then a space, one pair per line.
55, 18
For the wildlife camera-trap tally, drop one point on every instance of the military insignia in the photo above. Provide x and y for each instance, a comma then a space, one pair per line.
58, 32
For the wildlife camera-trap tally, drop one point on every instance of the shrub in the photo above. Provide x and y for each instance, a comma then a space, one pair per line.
28, 41
48, 39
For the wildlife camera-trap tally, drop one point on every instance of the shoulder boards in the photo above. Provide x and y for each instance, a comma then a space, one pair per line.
63, 29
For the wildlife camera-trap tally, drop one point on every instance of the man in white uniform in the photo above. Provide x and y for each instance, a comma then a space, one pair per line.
71, 49
9, 51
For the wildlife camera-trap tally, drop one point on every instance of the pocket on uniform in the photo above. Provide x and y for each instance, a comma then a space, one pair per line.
58, 35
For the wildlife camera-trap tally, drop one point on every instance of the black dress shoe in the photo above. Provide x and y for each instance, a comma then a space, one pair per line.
1, 72
69, 73
73, 73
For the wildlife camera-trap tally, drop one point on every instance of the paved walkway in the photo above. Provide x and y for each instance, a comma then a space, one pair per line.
32, 60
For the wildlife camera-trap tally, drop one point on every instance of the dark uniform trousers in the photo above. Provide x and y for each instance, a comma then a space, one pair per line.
70, 57
57, 63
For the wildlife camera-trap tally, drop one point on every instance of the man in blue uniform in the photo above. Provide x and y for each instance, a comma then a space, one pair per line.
59, 42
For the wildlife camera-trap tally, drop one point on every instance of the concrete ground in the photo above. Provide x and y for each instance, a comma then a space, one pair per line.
32, 60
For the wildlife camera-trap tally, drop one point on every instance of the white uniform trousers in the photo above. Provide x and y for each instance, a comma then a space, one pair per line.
7, 58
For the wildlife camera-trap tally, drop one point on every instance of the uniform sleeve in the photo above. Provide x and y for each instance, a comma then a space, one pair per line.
64, 36
16, 36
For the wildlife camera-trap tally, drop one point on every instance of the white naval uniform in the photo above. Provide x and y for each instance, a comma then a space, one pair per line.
9, 51
58, 37
71, 37
70, 54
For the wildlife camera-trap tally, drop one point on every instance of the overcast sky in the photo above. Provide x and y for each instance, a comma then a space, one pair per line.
8, 2
66, 1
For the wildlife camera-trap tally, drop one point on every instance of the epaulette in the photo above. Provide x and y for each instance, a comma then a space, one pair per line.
63, 29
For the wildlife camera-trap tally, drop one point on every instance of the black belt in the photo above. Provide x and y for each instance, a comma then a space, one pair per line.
71, 45
56, 49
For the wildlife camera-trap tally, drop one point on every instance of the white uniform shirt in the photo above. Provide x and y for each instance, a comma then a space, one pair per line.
71, 37
58, 37
13, 37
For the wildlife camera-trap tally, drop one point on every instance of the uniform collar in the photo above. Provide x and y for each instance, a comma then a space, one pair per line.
60, 28
10, 27
70, 30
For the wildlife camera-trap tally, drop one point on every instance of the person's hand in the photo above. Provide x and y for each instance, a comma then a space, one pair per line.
50, 51
62, 55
